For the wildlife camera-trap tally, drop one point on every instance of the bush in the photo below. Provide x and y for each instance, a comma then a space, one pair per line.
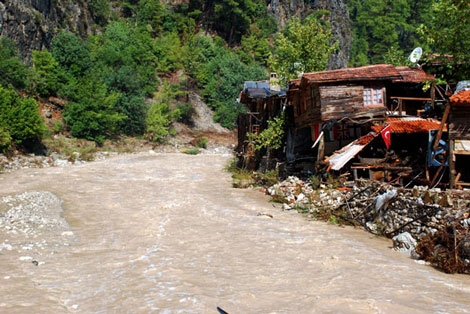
186, 112
190, 151
5, 140
202, 143
20, 119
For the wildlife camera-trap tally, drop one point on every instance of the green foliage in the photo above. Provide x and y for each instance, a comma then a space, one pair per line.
92, 114
448, 32
190, 151
71, 53
158, 122
202, 143
100, 11
19, 118
255, 47
225, 77
303, 47
228, 112
150, 14
168, 52
5, 140
47, 75
379, 25
185, 113
396, 57
12, 70
125, 62
272, 137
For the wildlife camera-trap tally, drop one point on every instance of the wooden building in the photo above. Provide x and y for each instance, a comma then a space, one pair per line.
459, 139
341, 102
263, 103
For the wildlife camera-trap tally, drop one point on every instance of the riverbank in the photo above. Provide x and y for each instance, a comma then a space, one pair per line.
430, 224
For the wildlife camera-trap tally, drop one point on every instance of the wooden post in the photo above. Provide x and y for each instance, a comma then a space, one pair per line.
400, 107
451, 164
433, 94
441, 128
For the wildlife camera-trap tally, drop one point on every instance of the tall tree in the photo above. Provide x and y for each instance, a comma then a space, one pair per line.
448, 32
303, 47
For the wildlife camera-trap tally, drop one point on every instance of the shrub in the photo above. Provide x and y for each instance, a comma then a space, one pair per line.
190, 151
5, 140
186, 112
20, 118
202, 143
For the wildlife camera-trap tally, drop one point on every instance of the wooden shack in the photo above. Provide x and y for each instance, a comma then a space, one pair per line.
459, 139
344, 103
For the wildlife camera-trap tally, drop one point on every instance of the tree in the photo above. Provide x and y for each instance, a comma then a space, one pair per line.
12, 70
303, 47
71, 53
20, 121
47, 74
379, 25
448, 32
91, 113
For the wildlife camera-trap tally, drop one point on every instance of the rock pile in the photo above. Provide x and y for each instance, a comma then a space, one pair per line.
37, 161
31, 221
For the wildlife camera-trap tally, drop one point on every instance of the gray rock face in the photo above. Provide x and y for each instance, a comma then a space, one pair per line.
283, 10
33, 23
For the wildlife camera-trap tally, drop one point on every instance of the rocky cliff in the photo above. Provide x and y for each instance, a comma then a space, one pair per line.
33, 23
283, 10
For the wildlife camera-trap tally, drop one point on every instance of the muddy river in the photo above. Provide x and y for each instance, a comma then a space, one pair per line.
166, 233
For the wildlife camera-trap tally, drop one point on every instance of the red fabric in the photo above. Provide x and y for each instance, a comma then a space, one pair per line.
386, 134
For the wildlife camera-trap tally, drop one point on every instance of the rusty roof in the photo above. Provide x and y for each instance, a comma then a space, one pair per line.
413, 75
409, 125
366, 73
462, 98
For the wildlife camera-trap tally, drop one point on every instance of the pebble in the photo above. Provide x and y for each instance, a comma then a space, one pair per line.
25, 258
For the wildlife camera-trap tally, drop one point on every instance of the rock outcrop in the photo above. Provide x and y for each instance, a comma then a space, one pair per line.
33, 23
283, 10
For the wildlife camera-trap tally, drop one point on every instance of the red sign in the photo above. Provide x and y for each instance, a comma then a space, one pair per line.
386, 136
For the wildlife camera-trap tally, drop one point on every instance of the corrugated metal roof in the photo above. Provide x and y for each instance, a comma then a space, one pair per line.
461, 98
366, 73
409, 125
260, 89
344, 155
413, 75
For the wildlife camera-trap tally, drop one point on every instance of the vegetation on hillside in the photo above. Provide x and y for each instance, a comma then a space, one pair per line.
116, 82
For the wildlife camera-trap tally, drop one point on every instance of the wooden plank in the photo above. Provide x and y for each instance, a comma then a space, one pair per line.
411, 98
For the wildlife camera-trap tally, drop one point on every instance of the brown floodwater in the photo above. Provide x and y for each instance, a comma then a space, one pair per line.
166, 233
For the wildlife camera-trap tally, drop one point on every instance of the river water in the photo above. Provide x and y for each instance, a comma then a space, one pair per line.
166, 233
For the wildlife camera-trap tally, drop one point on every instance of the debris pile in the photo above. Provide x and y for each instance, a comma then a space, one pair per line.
383, 209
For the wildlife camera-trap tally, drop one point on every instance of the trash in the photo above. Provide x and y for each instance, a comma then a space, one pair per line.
383, 199
404, 242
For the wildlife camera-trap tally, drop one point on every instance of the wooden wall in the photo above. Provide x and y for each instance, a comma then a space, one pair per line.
459, 123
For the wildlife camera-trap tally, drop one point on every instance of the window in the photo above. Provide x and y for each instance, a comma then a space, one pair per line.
373, 96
